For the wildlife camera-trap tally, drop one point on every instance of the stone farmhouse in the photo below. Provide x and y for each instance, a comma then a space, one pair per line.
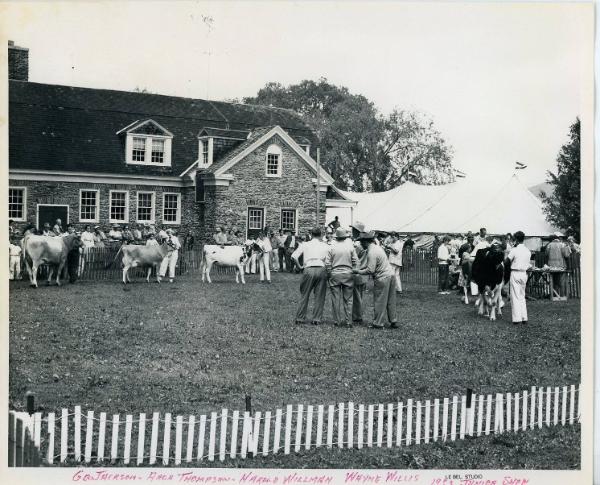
103, 157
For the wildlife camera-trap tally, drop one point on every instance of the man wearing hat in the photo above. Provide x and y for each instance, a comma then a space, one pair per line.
384, 284
340, 262
314, 276
46, 230
557, 254
170, 260
360, 282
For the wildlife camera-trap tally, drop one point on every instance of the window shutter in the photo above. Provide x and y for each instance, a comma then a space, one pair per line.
128, 148
167, 155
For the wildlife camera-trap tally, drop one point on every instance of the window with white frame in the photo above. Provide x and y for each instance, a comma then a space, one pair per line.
138, 153
158, 150
119, 206
145, 206
148, 150
273, 161
204, 152
88, 206
171, 208
255, 218
288, 220
16, 203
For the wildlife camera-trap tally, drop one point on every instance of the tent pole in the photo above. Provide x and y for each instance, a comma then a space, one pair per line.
318, 182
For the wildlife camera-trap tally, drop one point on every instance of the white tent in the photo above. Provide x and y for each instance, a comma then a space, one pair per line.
452, 208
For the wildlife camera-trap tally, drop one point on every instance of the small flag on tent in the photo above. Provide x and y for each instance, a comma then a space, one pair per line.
520, 166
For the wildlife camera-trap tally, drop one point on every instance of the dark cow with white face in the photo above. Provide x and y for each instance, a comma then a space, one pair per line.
491, 272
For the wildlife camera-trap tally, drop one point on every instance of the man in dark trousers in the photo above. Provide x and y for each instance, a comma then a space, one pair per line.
289, 246
384, 283
314, 276
360, 282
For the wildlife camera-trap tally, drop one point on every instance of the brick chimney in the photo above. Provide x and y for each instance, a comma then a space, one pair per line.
18, 62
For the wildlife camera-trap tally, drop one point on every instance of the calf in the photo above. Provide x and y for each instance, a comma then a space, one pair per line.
50, 250
229, 256
490, 273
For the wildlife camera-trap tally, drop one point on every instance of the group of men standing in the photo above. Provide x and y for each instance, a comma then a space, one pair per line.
343, 267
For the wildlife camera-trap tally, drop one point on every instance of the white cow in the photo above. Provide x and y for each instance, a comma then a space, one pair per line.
135, 256
229, 256
50, 250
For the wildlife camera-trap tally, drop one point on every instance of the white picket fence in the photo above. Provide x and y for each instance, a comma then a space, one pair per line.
219, 436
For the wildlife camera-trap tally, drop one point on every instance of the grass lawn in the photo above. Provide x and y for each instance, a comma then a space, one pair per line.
192, 348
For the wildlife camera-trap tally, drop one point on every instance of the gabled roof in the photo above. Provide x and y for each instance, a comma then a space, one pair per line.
256, 138
64, 128
224, 133
145, 126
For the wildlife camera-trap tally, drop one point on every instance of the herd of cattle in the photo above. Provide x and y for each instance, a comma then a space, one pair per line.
53, 252
490, 271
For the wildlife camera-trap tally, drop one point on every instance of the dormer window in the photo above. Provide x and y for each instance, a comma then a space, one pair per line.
213, 143
273, 161
147, 143
206, 152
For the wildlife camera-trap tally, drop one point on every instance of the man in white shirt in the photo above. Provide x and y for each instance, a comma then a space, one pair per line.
340, 262
520, 258
314, 276
115, 233
87, 240
443, 256
170, 260
396, 246
264, 258
482, 236
14, 260
281, 237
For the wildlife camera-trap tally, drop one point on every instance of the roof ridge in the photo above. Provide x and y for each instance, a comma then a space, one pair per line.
210, 102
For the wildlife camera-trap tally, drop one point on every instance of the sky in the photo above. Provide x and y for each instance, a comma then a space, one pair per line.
502, 82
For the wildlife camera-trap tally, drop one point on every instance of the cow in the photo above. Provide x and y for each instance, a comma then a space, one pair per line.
50, 250
490, 272
229, 256
136, 256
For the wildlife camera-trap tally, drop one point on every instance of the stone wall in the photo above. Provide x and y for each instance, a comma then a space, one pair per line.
228, 206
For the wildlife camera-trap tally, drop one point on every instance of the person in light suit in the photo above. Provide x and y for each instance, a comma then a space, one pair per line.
170, 259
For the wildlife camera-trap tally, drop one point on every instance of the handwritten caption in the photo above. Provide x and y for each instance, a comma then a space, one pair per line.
290, 478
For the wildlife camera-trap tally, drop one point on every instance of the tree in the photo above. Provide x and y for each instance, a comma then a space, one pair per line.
361, 148
563, 207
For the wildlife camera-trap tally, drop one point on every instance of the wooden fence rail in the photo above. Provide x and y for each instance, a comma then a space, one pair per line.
419, 267
148, 439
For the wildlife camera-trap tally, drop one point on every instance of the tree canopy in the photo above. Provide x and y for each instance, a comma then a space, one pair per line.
563, 207
361, 148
